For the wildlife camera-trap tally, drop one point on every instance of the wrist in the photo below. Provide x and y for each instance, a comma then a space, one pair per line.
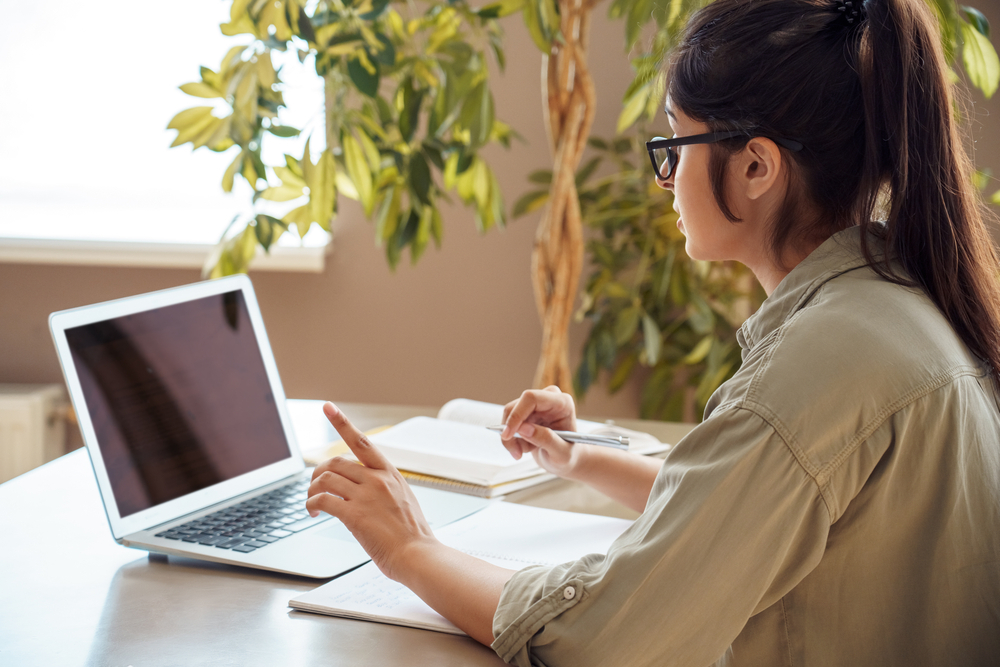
580, 462
412, 558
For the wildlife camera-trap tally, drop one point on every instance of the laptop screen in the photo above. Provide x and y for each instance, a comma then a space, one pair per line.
178, 397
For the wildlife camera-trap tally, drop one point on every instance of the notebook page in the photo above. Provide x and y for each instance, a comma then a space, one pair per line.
508, 535
453, 450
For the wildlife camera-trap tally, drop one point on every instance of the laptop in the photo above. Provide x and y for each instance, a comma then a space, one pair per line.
184, 418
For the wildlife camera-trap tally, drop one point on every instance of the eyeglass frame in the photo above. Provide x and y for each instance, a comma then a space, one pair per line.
659, 143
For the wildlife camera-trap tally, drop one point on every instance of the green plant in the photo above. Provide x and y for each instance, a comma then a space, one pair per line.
407, 109
649, 304
406, 97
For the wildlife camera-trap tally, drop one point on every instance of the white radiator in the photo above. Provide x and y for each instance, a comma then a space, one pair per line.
32, 426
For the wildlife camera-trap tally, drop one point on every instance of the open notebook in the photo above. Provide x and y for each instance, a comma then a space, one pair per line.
456, 452
505, 534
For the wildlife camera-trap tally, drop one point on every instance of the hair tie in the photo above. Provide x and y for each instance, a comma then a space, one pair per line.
851, 11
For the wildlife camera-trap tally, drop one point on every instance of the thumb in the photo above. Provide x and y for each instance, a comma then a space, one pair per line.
544, 439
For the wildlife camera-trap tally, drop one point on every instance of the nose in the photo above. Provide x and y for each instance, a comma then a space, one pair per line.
666, 184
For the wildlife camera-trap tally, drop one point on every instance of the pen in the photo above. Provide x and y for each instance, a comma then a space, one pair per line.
616, 441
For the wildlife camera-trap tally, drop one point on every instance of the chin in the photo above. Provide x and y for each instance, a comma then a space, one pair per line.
692, 250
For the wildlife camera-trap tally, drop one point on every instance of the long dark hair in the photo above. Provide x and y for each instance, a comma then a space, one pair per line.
871, 102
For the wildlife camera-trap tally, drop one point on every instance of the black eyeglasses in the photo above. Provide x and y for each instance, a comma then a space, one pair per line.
662, 150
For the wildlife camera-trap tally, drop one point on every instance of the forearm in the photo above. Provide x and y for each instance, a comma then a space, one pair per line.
627, 478
460, 587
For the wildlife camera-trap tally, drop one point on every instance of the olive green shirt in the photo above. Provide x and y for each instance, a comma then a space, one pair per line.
839, 505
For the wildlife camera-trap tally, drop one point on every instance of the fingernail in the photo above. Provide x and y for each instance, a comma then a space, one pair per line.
331, 409
527, 430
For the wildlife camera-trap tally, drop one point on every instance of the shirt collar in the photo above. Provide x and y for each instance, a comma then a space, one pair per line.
837, 255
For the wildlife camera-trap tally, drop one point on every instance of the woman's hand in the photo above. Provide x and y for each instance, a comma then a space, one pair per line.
534, 416
372, 500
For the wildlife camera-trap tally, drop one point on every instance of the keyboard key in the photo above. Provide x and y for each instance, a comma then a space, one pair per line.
244, 549
255, 544
267, 538
305, 523
212, 540
234, 542
281, 533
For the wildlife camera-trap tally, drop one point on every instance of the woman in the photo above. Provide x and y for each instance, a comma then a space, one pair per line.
840, 503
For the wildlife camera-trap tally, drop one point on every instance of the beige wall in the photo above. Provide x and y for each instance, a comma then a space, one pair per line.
460, 323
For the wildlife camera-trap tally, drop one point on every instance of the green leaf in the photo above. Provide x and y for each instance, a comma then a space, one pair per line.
633, 109
268, 229
230, 175
283, 131
496, 10
995, 199
626, 324
387, 56
409, 114
281, 193
423, 234
587, 170
980, 60
477, 115
700, 351
371, 150
367, 82
301, 218
357, 169
542, 176
710, 382
529, 202
199, 89
639, 14
420, 178
534, 24
656, 392
622, 373
378, 7
978, 21
598, 143
388, 216
437, 227
188, 117
651, 338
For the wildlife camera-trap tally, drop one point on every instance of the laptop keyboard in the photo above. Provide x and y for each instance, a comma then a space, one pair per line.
252, 524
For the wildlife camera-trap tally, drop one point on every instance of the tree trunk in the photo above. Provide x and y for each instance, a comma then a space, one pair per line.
558, 255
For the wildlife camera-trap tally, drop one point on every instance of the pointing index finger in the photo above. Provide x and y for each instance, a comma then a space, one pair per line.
367, 453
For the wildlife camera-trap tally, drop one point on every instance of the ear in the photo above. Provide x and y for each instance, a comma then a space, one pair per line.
760, 166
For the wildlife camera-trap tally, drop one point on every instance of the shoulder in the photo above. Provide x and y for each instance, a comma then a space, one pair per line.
859, 350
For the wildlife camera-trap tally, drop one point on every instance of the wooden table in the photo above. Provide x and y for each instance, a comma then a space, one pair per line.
70, 596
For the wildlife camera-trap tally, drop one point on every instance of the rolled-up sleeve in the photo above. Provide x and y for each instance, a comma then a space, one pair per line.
734, 521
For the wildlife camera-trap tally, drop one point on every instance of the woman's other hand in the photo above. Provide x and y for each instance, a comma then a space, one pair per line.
533, 417
372, 500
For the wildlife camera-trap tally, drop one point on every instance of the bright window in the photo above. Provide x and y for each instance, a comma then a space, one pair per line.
84, 154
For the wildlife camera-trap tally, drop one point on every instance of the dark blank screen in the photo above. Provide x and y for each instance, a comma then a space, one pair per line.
178, 397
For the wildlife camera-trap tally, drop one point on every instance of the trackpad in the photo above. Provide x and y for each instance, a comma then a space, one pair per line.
336, 531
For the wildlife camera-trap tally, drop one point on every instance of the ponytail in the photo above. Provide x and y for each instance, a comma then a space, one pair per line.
935, 227
864, 87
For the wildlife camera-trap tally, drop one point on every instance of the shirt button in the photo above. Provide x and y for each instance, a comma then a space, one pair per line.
569, 592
